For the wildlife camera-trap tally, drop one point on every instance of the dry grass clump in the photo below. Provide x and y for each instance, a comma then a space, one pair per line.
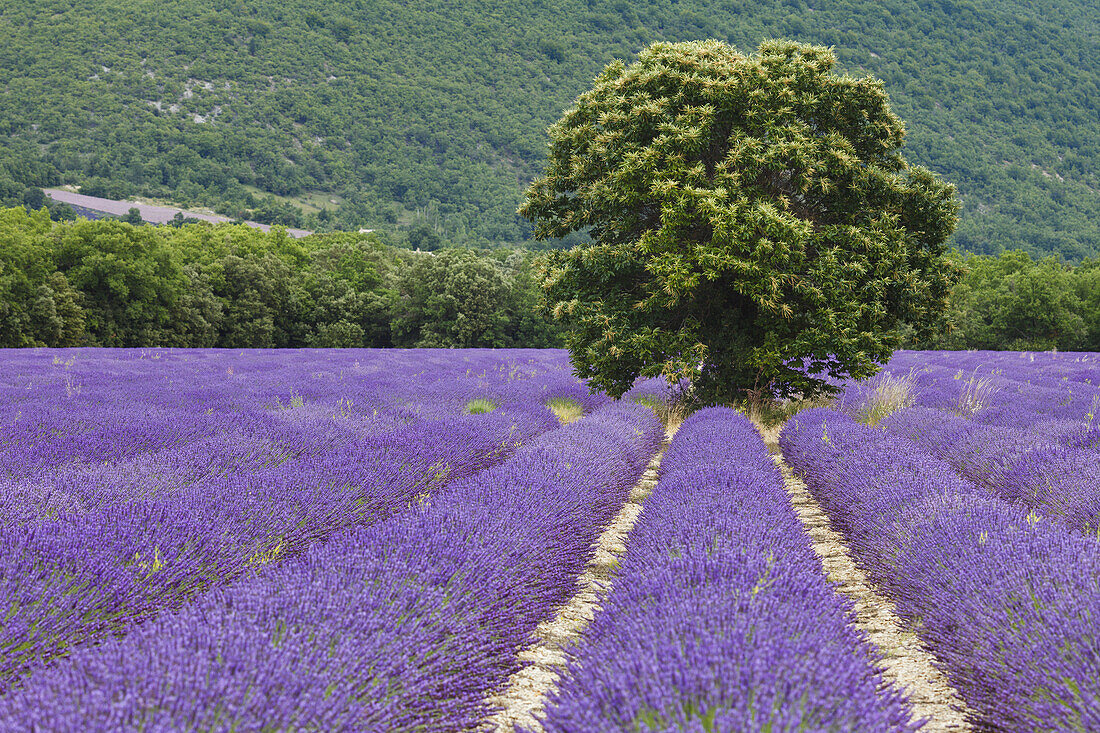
670, 412
770, 413
977, 393
566, 409
892, 393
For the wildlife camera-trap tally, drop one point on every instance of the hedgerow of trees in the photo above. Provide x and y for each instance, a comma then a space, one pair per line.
382, 108
200, 285
110, 283
1015, 302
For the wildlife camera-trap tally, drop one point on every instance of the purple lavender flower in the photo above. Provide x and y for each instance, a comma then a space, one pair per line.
1005, 599
721, 617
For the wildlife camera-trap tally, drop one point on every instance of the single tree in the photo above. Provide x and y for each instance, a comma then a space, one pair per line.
755, 229
423, 238
342, 29
34, 198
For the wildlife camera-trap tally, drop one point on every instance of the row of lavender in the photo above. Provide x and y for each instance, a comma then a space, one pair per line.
1026, 387
131, 483
78, 408
721, 617
1021, 425
1007, 602
405, 624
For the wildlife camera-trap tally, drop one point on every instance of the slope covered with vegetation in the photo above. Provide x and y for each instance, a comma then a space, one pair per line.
410, 114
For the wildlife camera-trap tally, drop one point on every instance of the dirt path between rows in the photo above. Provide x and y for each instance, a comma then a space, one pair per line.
905, 660
525, 694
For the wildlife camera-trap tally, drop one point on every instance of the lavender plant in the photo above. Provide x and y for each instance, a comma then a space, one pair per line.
404, 624
721, 617
1005, 600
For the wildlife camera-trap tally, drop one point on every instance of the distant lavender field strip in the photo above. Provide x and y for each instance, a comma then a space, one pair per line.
1007, 604
721, 617
404, 624
85, 428
78, 407
94, 541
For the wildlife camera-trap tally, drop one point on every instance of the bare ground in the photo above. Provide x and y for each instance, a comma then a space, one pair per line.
525, 694
905, 660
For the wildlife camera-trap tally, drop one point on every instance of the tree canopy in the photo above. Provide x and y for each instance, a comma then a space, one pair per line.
754, 225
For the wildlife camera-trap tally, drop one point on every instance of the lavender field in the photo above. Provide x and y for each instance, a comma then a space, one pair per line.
976, 510
368, 539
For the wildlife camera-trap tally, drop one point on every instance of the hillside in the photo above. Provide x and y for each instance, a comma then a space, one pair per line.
399, 114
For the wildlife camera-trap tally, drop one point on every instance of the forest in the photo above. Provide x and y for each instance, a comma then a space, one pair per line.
349, 114
110, 283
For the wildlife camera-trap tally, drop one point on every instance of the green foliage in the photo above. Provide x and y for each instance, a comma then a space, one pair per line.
128, 278
38, 305
1015, 302
133, 216
233, 285
352, 304
480, 406
33, 198
423, 238
110, 283
274, 110
456, 298
754, 224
